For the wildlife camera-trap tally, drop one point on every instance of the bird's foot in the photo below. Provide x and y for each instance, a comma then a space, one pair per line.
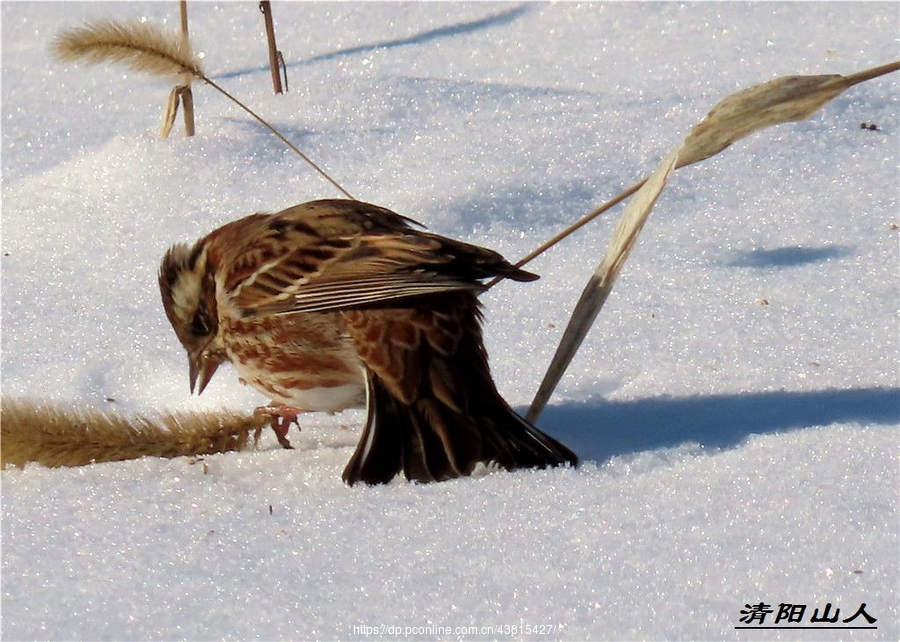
282, 416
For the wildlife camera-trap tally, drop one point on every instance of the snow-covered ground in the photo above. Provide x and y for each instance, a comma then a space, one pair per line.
736, 406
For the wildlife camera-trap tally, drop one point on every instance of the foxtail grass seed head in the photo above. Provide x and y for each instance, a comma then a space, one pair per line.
140, 45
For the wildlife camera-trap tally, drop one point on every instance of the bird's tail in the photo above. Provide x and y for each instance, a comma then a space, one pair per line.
432, 438
434, 412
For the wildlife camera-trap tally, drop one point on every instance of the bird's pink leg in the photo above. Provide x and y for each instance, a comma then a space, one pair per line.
282, 416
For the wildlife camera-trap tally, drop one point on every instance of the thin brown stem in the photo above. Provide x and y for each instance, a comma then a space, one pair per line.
577, 225
874, 72
266, 7
278, 134
187, 97
184, 18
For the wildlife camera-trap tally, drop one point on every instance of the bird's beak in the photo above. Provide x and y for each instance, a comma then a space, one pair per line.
203, 367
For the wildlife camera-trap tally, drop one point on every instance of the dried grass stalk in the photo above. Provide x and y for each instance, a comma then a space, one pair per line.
187, 96
187, 99
55, 435
786, 99
790, 98
601, 282
139, 45
144, 47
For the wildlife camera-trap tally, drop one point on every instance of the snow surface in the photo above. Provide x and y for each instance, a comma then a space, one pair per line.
735, 452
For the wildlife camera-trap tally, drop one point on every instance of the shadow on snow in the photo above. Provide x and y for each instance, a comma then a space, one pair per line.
602, 429
493, 20
784, 257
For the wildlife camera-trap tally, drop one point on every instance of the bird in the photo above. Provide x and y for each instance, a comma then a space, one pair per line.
337, 304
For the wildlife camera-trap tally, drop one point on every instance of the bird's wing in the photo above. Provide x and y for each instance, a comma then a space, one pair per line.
341, 254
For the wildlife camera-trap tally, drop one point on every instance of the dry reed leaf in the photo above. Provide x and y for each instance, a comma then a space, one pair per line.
782, 100
171, 110
54, 435
786, 99
140, 45
601, 282
737, 116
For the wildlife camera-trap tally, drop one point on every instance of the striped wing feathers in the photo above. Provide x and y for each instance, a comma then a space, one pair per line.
334, 255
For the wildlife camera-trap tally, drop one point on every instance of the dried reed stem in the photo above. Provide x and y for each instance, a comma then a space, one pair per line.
187, 95
266, 7
146, 48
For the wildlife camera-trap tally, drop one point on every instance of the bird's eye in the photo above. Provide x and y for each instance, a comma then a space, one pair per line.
200, 324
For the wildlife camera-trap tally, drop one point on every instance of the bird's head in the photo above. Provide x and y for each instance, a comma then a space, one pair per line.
188, 289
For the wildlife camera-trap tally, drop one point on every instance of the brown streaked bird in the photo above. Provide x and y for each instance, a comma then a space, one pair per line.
338, 304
